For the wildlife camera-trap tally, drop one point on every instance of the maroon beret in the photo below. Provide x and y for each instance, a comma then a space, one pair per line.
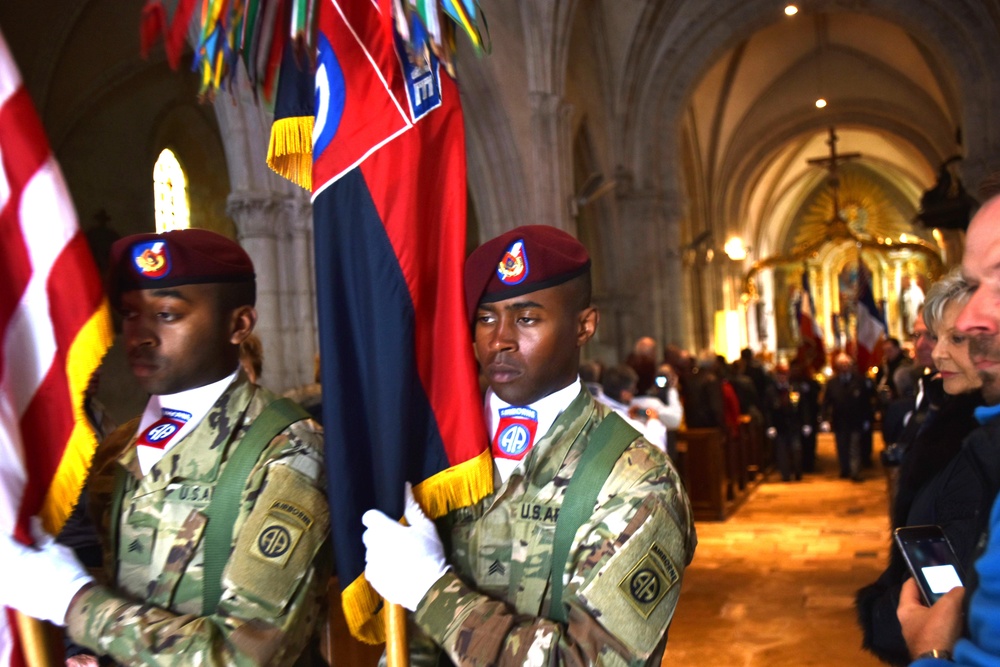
179, 257
523, 260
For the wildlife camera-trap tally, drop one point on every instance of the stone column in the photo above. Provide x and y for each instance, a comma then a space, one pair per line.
258, 218
301, 292
551, 159
648, 271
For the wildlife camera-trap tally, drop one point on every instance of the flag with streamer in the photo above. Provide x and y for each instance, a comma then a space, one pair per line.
54, 329
389, 201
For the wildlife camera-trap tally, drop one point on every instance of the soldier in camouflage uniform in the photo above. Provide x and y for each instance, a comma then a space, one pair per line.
486, 598
183, 325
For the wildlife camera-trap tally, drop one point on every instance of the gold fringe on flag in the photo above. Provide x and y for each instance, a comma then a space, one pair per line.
460, 485
84, 356
289, 152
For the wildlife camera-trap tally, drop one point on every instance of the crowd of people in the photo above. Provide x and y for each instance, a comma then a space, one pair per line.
578, 555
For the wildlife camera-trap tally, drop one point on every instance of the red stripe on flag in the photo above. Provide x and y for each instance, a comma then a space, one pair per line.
442, 332
23, 149
49, 420
74, 293
22, 138
16, 649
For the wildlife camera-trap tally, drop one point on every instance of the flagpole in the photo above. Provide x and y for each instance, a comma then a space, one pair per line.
34, 641
396, 654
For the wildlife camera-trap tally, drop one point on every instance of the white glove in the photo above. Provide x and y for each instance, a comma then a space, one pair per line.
771, 432
41, 580
807, 430
402, 562
824, 426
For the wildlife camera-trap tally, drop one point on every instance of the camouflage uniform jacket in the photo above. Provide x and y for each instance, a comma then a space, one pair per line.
273, 591
625, 569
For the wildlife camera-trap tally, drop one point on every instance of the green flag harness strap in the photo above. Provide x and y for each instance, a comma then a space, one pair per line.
611, 437
224, 506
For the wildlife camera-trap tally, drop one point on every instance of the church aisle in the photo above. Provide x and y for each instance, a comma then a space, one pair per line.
774, 585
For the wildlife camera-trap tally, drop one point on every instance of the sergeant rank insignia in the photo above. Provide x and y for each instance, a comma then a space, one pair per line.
513, 268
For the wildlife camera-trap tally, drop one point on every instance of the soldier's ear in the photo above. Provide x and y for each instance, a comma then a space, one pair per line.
241, 323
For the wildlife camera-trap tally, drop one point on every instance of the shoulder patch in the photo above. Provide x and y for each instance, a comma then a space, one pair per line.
276, 541
648, 582
635, 593
280, 539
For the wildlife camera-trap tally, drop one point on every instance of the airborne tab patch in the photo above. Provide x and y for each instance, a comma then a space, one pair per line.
289, 511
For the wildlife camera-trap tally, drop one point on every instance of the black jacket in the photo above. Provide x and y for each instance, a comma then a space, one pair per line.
944, 480
849, 404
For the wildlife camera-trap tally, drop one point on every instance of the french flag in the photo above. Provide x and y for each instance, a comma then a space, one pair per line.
813, 348
871, 325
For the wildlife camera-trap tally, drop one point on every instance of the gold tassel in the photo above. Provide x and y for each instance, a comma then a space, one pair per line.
289, 152
458, 486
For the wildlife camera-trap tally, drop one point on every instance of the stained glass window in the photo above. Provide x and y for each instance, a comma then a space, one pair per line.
170, 193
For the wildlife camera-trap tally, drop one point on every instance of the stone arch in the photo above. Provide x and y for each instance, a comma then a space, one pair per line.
959, 32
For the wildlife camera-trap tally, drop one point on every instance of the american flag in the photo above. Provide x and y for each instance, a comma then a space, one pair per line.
54, 329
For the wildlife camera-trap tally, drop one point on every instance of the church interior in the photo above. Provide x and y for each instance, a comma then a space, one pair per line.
714, 157
682, 142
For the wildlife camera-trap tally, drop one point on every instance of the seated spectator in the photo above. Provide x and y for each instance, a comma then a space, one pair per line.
703, 403
590, 375
666, 401
663, 398
619, 383
642, 359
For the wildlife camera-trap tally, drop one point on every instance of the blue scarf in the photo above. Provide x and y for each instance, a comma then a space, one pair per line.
986, 413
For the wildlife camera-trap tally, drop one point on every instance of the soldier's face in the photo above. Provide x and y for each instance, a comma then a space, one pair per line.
529, 346
179, 338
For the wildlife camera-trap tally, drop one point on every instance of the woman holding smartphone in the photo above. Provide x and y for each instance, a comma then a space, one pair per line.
940, 481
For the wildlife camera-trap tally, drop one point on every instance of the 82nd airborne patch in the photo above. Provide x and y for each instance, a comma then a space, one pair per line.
280, 532
648, 581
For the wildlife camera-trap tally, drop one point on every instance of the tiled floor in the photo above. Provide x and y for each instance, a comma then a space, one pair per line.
774, 585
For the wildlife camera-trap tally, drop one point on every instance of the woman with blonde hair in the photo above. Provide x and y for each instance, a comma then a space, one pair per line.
940, 478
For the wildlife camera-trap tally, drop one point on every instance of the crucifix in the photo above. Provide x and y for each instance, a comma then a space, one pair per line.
830, 164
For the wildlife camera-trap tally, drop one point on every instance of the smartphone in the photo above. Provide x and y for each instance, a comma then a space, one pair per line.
931, 559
